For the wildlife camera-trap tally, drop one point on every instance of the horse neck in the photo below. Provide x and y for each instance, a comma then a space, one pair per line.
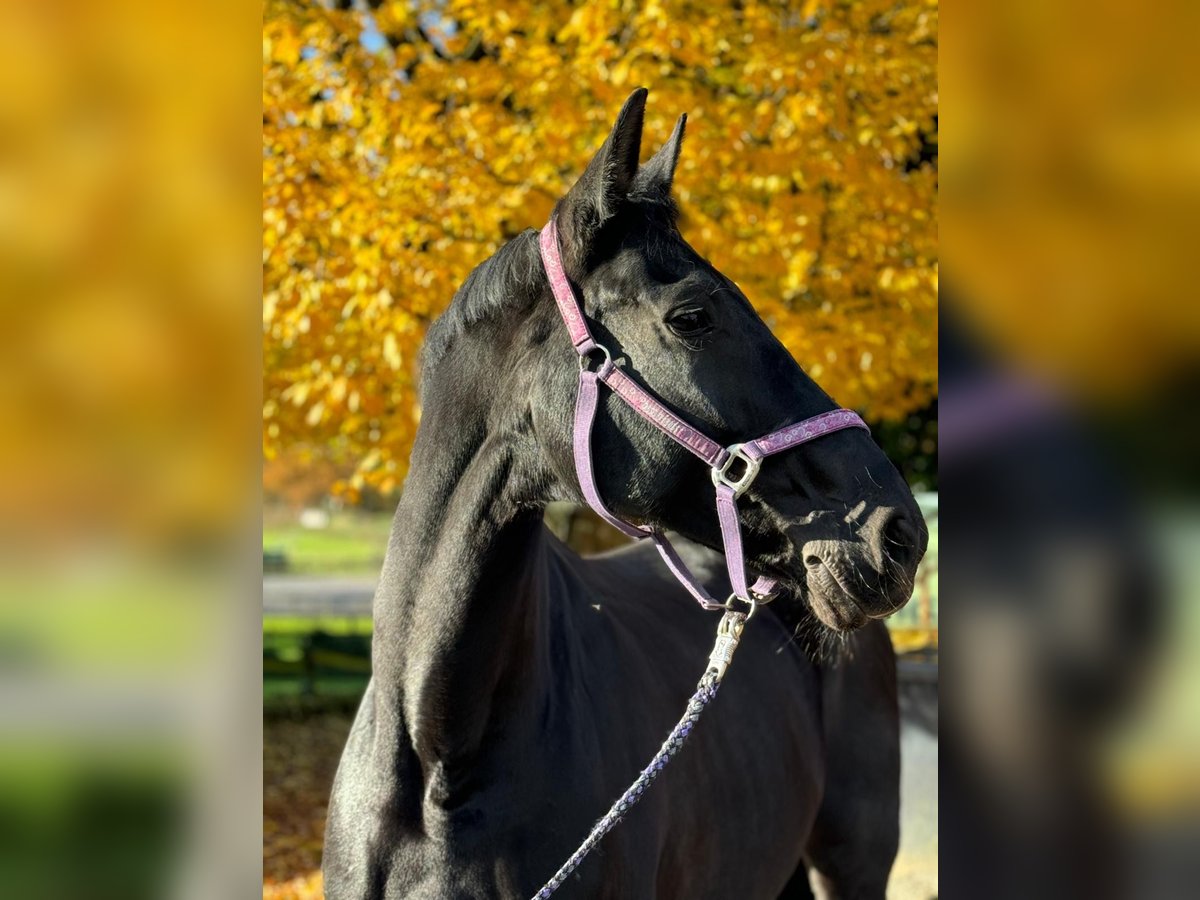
461, 595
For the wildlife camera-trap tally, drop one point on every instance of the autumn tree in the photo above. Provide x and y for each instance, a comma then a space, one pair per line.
404, 142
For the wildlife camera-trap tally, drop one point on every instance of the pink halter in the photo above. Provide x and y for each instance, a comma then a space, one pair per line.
723, 461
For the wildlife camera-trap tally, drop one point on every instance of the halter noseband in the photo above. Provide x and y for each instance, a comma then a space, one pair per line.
733, 468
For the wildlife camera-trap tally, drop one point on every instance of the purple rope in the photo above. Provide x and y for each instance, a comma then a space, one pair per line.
705, 691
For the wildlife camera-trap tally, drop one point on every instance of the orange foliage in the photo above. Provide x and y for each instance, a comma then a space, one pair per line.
404, 145
300, 757
298, 477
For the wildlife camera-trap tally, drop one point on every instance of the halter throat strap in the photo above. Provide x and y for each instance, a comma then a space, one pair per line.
733, 468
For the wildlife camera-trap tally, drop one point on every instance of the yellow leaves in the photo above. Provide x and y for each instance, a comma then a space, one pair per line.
371, 460
315, 413
906, 282
394, 16
337, 390
297, 393
388, 174
283, 48
391, 352
619, 74
798, 267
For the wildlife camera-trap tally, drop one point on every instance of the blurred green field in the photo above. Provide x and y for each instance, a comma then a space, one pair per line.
353, 543
316, 661
306, 657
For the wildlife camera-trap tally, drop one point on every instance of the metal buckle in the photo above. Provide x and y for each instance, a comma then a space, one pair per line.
753, 603
585, 358
720, 474
729, 635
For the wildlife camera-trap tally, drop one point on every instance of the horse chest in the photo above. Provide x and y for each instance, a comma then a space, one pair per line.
748, 778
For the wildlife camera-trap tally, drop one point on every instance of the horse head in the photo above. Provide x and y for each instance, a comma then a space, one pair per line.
832, 521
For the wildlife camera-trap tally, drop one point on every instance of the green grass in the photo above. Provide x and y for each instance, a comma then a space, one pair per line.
302, 625
297, 676
352, 544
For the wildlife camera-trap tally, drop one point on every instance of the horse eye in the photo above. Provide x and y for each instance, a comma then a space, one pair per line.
689, 321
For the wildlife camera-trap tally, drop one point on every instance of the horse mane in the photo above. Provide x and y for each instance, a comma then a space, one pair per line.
506, 281
511, 278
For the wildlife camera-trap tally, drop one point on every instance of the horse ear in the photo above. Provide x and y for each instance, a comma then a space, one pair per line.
606, 181
656, 176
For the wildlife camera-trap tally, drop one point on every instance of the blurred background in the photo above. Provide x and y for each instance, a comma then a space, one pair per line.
129, 486
145, 184
1069, 351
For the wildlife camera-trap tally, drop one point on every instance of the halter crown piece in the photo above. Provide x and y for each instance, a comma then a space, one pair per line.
733, 468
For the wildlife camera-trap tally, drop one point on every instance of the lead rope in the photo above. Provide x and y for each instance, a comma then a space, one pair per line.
729, 633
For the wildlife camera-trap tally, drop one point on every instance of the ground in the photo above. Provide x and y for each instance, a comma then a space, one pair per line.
300, 756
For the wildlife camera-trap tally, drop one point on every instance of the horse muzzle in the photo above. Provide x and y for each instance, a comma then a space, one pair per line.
850, 582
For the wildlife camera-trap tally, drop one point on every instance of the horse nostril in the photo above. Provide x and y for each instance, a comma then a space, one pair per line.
812, 561
901, 539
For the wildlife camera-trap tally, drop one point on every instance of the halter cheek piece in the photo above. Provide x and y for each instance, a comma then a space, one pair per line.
733, 468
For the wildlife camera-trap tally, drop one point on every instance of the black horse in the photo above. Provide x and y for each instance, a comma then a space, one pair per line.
518, 688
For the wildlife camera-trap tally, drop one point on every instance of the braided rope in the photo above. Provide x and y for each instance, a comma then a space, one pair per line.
706, 690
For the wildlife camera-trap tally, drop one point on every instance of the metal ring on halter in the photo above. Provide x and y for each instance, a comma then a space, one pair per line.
585, 358
752, 603
720, 474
